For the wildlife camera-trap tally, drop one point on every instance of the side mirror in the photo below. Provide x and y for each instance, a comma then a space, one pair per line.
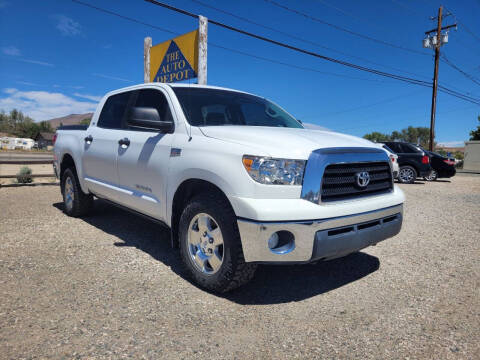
148, 118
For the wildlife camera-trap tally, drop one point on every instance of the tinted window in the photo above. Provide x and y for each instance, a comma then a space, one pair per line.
113, 111
395, 147
154, 99
211, 107
387, 148
410, 149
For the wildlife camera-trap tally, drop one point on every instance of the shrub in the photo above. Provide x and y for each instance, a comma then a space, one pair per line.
23, 176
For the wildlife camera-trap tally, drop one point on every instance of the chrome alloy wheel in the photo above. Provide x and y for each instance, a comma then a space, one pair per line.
69, 193
406, 174
205, 244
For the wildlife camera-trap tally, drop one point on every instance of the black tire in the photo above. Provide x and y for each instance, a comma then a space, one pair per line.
80, 203
407, 174
432, 177
233, 271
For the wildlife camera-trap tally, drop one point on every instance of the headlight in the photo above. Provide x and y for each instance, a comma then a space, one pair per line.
270, 171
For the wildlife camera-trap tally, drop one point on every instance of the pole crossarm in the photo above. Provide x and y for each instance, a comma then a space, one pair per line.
443, 28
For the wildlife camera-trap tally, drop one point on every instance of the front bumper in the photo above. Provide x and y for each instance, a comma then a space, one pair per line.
320, 239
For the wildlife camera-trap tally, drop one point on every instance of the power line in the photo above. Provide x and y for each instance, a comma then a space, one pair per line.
287, 46
223, 47
467, 75
388, 75
384, 101
290, 65
124, 17
343, 29
314, 54
463, 24
299, 38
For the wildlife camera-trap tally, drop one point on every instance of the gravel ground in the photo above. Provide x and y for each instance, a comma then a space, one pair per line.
108, 286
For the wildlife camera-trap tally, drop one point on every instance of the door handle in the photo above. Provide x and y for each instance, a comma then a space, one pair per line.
124, 141
88, 139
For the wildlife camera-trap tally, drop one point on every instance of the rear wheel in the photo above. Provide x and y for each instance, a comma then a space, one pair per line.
210, 244
407, 174
432, 177
76, 202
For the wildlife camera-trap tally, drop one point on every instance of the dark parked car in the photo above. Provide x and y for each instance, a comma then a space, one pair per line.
442, 167
413, 161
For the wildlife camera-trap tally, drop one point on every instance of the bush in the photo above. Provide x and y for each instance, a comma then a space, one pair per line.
23, 175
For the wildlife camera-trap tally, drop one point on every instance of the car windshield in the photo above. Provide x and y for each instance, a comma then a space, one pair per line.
214, 107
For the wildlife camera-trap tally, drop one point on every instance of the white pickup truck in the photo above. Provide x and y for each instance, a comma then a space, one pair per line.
236, 178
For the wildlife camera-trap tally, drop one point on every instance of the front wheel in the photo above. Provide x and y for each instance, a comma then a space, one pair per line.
432, 177
210, 244
407, 174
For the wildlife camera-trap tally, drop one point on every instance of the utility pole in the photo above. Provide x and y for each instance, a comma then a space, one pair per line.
436, 42
435, 81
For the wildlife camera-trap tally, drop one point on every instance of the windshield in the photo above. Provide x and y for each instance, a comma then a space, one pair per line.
212, 107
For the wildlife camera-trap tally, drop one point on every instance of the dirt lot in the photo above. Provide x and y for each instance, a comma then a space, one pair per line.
109, 286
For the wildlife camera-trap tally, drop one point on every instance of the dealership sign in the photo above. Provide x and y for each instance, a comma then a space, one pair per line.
176, 59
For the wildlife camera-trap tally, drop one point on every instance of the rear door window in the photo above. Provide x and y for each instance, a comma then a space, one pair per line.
409, 149
395, 147
114, 111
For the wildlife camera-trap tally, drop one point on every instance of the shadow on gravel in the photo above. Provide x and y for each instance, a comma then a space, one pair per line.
272, 284
276, 284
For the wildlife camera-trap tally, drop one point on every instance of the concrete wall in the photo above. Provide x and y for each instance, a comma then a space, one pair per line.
472, 156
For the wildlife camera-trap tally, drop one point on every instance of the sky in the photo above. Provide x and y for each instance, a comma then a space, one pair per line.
60, 57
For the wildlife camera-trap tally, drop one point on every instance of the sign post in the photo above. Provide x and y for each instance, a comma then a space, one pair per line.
181, 58
147, 44
202, 50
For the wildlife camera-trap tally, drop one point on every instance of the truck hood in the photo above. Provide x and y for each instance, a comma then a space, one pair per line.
282, 142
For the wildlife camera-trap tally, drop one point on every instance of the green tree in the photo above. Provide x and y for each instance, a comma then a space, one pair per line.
45, 126
475, 134
20, 125
86, 121
376, 137
420, 135
458, 155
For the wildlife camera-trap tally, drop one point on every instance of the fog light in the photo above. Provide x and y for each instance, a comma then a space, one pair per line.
281, 242
273, 241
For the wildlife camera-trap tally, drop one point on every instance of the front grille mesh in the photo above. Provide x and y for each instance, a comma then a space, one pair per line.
339, 180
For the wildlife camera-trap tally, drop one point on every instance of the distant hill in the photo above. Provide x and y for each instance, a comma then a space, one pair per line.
72, 119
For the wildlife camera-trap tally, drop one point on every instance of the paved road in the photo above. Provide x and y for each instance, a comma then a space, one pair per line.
108, 287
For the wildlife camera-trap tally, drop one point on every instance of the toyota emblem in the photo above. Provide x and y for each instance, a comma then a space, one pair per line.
362, 178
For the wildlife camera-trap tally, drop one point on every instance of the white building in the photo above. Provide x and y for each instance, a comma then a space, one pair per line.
472, 156
11, 143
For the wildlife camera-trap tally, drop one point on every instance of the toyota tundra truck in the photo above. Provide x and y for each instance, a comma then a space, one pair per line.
237, 179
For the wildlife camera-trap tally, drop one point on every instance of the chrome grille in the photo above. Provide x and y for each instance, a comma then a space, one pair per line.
339, 181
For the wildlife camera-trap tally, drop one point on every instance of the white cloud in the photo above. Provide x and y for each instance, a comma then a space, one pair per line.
67, 26
89, 97
112, 77
43, 105
11, 50
452, 143
311, 126
28, 83
36, 62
